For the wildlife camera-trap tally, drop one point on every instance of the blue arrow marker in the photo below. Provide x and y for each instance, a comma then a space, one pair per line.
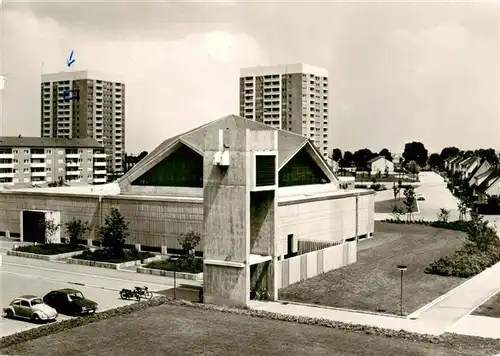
70, 60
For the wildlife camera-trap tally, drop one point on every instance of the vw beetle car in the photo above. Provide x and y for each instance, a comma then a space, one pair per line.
32, 308
70, 302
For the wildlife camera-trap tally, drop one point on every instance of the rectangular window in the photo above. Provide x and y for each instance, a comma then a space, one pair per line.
265, 172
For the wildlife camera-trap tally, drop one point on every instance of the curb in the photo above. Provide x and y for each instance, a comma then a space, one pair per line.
417, 313
286, 302
471, 310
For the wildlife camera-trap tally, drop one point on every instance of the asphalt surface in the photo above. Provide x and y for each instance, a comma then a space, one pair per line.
437, 196
20, 276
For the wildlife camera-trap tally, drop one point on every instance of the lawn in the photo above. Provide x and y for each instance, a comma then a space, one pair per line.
385, 206
489, 308
373, 282
50, 249
179, 330
102, 255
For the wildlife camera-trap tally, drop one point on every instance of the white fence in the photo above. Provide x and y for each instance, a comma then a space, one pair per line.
298, 268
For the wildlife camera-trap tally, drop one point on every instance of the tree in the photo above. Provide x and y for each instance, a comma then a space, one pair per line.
462, 210
413, 168
435, 161
336, 154
361, 157
443, 215
142, 155
395, 190
489, 154
409, 201
346, 160
188, 243
49, 227
114, 232
416, 151
386, 154
76, 229
448, 152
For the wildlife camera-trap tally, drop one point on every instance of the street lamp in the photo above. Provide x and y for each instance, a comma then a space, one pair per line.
402, 268
175, 273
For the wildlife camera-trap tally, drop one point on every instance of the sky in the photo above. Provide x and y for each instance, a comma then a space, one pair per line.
398, 71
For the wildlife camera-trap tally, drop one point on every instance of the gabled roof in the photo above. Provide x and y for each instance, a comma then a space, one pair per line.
454, 159
467, 162
474, 171
289, 144
485, 183
460, 160
377, 158
492, 182
449, 159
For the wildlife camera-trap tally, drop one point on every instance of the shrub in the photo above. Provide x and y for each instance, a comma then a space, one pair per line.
75, 230
443, 215
481, 251
466, 262
49, 249
108, 255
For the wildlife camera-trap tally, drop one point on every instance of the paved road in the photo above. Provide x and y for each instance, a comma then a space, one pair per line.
437, 196
22, 276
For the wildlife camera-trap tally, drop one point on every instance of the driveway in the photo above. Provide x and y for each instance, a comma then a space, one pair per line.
27, 276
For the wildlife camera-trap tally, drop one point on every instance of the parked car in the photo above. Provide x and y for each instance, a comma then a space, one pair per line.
70, 302
30, 307
420, 196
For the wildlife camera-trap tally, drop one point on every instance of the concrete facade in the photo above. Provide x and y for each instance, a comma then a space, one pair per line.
96, 109
39, 160
292, 97
247, 227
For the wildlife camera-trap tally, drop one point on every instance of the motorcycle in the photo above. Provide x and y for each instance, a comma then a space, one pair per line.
144, 292
129, 294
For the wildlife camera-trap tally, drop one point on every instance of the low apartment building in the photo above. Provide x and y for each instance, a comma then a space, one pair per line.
45, 160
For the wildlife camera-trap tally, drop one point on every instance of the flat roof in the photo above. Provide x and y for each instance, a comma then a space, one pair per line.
82, 75
43, 142
283, 69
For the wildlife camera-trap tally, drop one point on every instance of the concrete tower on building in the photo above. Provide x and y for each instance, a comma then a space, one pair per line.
291, 97
85, 104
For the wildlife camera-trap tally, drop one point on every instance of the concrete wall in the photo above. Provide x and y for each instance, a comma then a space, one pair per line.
153, 222
332, 219
296, 269
226, 209
161, 221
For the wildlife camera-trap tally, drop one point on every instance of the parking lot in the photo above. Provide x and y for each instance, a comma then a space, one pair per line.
20, 276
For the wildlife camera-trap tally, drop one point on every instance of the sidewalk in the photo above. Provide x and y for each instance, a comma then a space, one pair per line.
449, 313
467, 297
387, 322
